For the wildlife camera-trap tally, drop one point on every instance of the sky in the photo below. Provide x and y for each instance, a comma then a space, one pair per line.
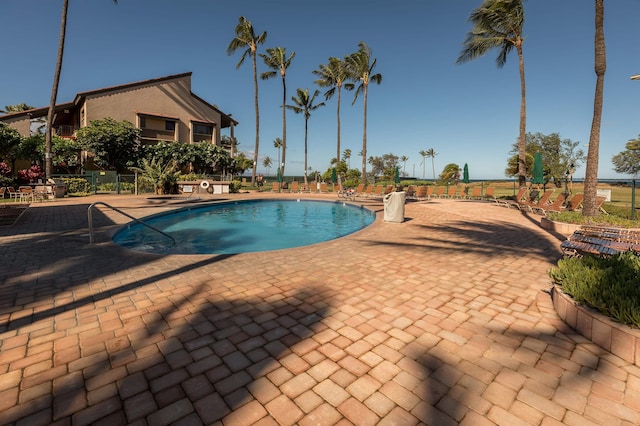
468, 113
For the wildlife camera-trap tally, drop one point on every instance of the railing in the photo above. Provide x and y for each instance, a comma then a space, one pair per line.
90, 220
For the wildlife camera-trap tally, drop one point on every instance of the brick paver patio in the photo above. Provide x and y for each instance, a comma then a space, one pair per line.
444, 319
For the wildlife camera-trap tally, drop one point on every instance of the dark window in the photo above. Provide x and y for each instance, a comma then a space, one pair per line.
170, 125
202, 129
143, 122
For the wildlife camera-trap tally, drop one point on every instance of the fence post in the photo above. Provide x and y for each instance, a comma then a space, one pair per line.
118, 184
633, 199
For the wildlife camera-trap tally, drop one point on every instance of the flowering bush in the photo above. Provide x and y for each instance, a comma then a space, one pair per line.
31, 174
5, 169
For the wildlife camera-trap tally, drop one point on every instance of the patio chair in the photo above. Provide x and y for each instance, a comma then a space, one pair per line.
489, 194
323, 187
3, 190
556, 206
421, 193
440, 192
544, 201
476, 193
430, 191
451, 192
275, 187
26, 193
462, 193
13, 194
514, 203
294, 187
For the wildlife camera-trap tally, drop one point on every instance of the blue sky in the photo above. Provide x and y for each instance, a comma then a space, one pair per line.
468, 113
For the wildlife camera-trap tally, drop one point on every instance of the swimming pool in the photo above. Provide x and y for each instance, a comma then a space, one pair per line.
245, 226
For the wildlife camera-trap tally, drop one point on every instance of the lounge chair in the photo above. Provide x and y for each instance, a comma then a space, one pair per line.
514, 203
275, 187
26, 193
575, 203
323, 187
378, 192
462, 193
476, 193
451, 192
294, 187
2, 192
556, 206
13, 194
544, 201
411, 192
430, 191
489, 194
440, 192
421, 193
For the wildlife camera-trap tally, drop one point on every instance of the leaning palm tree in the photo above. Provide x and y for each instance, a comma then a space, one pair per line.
276, 59
360, 66
48, 138
304, 104
590, 203
498, 24
277, 143
335, 76
246, 38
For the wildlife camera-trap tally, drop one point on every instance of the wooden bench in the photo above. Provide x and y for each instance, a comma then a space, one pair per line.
601, 241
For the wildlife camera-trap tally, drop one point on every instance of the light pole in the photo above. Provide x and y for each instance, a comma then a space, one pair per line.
633, 188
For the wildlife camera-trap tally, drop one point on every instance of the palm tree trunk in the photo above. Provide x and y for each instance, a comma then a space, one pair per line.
338, 144
255, 100
590, 206
284, 125
522, 141
364, 139
306, 126
54, 92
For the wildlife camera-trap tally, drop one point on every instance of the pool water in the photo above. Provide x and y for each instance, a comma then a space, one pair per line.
245, 226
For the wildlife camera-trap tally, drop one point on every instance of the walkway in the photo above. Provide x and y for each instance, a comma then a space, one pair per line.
442, 320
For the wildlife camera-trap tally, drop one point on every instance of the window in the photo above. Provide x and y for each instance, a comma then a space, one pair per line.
143, 122
170, 125
202, 129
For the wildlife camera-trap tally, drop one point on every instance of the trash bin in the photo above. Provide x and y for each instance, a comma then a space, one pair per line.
394, 207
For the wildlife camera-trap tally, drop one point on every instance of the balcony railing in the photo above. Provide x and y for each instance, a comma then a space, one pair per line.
158, 134
65, 130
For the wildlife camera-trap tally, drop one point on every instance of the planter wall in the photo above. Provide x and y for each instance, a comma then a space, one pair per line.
619, 339
558, 227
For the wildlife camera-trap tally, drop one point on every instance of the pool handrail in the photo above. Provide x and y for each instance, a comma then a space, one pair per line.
90, 220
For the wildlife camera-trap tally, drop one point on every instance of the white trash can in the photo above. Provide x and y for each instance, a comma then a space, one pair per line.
394, 207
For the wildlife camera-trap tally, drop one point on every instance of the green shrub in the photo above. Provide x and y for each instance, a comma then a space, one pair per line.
609, 284
77, 186
604, 219
235, 186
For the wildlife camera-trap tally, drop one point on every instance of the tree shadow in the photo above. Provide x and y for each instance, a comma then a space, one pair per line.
194, 355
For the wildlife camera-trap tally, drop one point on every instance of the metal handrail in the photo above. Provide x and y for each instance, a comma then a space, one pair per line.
90, 220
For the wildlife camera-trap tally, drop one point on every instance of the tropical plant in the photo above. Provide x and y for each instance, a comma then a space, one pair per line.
346, 157
276, 59
54, 89
9, 140
267, 162
498, 24
431, 153
16, 108
305, 104
277, 143
450, 173
361, 66
115, 144
161, 175
66, 154
335, 76
246, 38
590, 203
628, 161
558, 155
404, 160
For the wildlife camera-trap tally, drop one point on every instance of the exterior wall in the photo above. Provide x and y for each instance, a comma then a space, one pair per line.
21, 124
171, 99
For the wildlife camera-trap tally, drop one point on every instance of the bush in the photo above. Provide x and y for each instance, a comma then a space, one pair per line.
609, 284
604, 219
77, 186
235, 186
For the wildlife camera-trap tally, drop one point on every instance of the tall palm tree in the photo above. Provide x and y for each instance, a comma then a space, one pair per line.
277, 143
590, 203
335, 76
48, 138
276, 59
360, 66
424, 156
498, 24
431, 153
246, 38
404, 160
267, 162
305, 104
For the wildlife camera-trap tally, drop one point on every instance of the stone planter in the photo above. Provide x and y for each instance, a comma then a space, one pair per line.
558, 227
619, 339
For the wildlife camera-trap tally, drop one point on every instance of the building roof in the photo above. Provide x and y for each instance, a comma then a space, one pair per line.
80, 97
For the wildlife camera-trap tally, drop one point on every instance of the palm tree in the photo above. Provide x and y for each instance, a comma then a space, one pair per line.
498, 24
424, 156
590, 203
267, 162
48, 138
404, 160
276, 59
346, 156
361, 65
277, 143
432, 153
335, 76
246, 38
304, 104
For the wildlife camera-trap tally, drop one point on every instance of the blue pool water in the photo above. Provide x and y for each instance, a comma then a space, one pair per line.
245, 226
